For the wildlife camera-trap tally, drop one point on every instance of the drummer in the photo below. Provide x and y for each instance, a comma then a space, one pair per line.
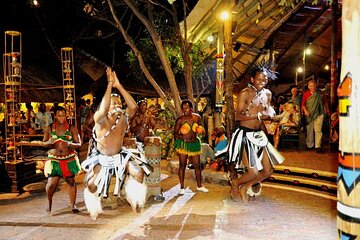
143, 123
142, 126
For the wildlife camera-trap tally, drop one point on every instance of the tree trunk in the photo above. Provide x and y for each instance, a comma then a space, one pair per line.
161, 53
185, 50
188, 73
141, 60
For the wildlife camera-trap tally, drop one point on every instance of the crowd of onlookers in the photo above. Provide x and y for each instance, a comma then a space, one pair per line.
290, 118
298, 112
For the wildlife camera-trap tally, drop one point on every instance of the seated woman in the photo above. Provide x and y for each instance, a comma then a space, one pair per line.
289, 122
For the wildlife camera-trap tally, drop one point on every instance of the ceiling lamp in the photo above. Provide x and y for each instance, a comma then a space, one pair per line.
210, 38
224, 15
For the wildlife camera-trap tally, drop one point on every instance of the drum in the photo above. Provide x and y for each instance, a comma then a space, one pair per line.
129, 142
153, 156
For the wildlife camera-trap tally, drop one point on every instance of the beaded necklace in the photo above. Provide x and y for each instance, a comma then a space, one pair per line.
115, 110
258, 94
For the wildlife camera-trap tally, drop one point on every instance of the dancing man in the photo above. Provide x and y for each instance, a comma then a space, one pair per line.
62, 160
108, 157
188, 144
249, 149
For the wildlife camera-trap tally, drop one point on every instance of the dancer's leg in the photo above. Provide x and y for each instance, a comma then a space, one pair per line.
51, 187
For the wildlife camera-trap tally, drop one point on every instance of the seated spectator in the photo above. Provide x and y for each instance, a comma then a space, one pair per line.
289, 122
207, 153
216, 156
295, 98
208, 156
220, 148
280, 102
220, 139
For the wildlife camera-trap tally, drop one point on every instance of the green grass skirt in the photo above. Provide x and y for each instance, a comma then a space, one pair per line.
188, 148
63, 168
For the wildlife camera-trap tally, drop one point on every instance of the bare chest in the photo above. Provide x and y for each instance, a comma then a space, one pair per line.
258, 102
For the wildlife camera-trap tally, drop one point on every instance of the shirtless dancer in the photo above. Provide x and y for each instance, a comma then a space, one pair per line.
142, 122
249, 148
107, 156
62, 160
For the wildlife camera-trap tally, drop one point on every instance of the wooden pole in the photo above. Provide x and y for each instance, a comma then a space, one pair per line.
333, 69
229, 77
348, 205
220, 69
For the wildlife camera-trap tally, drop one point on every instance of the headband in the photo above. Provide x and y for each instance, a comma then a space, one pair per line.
115, 95
141, 101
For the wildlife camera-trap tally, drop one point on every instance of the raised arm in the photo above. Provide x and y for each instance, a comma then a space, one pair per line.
100, 114
130, 102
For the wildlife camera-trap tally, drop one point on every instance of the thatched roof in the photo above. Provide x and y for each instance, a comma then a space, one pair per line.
261, 28
37, 86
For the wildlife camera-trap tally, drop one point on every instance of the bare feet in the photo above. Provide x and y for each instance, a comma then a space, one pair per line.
234, 195
75, 210
243, 194
48, 209
234, 192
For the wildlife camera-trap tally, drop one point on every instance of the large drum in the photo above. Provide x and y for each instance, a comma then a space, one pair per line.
153, 156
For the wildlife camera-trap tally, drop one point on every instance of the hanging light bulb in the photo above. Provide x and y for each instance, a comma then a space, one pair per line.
225, 15
35, 3
210, 38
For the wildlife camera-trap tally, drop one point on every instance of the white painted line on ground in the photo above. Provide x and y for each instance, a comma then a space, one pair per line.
183, 223
180, 202
163, 176
221, 219
146, 215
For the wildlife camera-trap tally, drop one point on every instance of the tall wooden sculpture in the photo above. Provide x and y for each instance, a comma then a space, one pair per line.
19, 172
67, 62
348, 205
12, 63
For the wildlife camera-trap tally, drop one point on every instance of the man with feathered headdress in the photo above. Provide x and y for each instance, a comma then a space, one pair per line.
249, 149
